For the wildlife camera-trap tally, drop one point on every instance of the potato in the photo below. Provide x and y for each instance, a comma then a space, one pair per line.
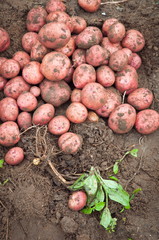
36, 19
83, 74
140, 98
90, 6
43, 114
106, 25
127, 80
35, 91
15, 87
136, 61
38, 51
27, 102
113, 101
22, 58
129, 54
24, 120
96, 55
55, 93
105, 76
4, 40
9, 109
59, 125
118, 60
10, 68
9, 134
3, 82
55, 5
14, 156
111, 47
70, 143
79, 24
69, 75
76, 95
54, 35
77, 200
2, 60
88, 37
133, 40
93, 96
55, 66
79, 57
116, 32
122, 119
28, 40
68, 49
76, 112
92, 117
31, 73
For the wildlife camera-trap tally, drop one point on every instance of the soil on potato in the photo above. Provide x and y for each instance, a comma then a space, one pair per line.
33, 203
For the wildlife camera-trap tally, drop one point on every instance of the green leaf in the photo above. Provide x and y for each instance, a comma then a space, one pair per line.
91, 185
114, 178
1, 163
115, 168
87, 210
99, 197
134, 152
135, 192
79, 183
105, 218
99, 206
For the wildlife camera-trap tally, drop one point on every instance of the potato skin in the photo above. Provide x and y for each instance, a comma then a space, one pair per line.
35, 91
10, 68
77, 200
31, 73
141, 98
55, 5
38, 51
43, 114
68, 49
76, 112
28, 41
129, 54
24, 120
106, 25
116, 32
96, 55
133, 40
2, 60
105, 76
79, 57
27, 102
9, 134
76, 95
147, 121
79, 24
14, 156
69, 75
135, 61
122, 119
3, 82
9, 109
59, 125
118, 60
90, 6
109, 46
22, 58
4, 40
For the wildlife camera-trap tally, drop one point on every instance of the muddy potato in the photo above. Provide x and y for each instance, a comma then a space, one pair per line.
14, 156
10, 68
9, 134
129, 54
118, 60
38, 51
69, 75
9, 109
32, 74
2, 60
4, 40
106, 25
76, 112
133, 40
69, 48
79, 24
59, 125
43, 114
90, 6
116, 32
109, 46
29, 39
79, 57
76, 95
22, 58
55, 5
135, 61
27, 102
77, 200
24, 120
105, 76
96, 55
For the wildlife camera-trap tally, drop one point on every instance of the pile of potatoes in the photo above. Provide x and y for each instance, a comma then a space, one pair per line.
66, 60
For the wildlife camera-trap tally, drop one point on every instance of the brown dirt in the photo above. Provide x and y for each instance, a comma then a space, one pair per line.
33, 204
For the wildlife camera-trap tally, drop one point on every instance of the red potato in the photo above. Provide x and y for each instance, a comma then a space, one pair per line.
106, 25
24, 120
69, 75
55, 5
76, 95
79, 24
140, 98
22, 58
88, 37
15, 87
76, 112
77, 200
68, 49
2, 60
118, 60
35, 91
9, 109
32, 74
129, 54
105, 76
10, 68
93, 96
133, 40
70, 143
79, 57
14, 156
111, 47
90, 6
27, 102
59, 125
122, 119
127, 80
36, 19
83, 74
55, 93
113, 101
54, 35
3, 82
38, 51
116, 32
136, 61
4, 40
92, 117
9, 134
28, 40
43, 114
96, 55
147, 121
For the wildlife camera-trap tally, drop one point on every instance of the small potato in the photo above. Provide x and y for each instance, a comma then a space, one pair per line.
68, 49
43, 114
70, 143
79, 57
35, 91
38, 51
140, 98
4, 40
79, 24
2, 60
136, 61
24, 120
27, 102
9, 109
88, 37
28, 41
83, 74
105, 76
14, 156
15, 87
22, 58
76, 95
147, 121
129, 54
3, 82
76, 112
32, 74
69, 75
77, 200
59, 125
127, 80
92, 117
90, 6
116, 32
96, 55
133, 40
9, 134
93, 96
55, 66
106, 25
55, 5
55, 93
110, 47
10, 68
118, 60
122, 119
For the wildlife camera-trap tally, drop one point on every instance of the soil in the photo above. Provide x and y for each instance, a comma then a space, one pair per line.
33, 203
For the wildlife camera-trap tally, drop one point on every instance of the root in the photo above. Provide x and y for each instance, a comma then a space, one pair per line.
114, 2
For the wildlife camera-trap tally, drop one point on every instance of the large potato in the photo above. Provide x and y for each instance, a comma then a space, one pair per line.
118, 60
43, 114
9, 109
27, 102
9, 133
116, 32
4, 40
32, 74
14, 156
133, 40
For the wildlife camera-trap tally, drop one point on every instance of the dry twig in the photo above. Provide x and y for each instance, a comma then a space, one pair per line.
114, 2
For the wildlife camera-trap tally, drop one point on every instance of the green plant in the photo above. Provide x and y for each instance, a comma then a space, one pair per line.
1, 163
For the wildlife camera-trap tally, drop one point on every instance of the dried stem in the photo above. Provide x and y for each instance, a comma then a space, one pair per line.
34, 126
115, 2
